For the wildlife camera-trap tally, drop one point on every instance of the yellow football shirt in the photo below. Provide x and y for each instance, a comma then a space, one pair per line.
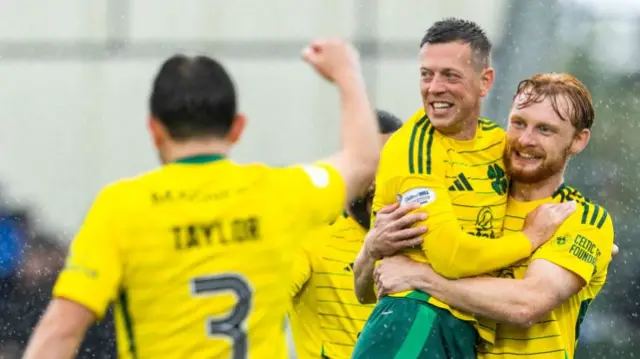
581, 245
463, 187
196, 255
326, 317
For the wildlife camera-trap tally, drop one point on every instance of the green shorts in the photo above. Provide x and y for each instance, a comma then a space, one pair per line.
406, 328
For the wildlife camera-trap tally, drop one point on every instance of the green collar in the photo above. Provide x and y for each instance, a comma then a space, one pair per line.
199, 159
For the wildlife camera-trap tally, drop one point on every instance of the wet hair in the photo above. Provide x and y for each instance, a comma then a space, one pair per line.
555, 86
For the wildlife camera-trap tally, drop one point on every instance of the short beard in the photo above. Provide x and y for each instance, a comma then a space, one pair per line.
545, 171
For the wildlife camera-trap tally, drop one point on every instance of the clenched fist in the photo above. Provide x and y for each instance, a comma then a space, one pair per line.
334, 59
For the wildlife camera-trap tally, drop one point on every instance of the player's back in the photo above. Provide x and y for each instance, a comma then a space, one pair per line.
206, 246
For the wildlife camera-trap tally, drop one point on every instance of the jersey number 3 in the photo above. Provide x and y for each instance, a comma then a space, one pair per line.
232, 325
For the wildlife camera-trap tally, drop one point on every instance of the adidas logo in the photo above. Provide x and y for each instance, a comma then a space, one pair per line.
461, 184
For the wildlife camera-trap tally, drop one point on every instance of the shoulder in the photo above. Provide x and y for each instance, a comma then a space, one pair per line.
413, 148
117, 190
491, 132
416, 126
588, 213
318, 174
489, 126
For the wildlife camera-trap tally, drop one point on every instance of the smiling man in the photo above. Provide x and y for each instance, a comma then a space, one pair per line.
447, 160
542, 300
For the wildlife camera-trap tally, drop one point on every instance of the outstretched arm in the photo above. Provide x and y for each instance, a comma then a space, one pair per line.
357, 160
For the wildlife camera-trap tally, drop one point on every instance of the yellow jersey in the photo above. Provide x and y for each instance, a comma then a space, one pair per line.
196, 255
581, 245
463, 187
326, 317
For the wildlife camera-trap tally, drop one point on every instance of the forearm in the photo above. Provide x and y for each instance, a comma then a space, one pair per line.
359, 135
363, 269
456, 254
48, 342
503, 300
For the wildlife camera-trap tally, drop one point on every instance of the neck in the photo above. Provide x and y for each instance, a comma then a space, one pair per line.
467, 132
177, 150
466, 129
526, 192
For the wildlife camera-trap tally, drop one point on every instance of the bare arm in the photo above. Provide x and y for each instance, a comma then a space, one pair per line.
363, 268
517, 301
60, 331
357, 160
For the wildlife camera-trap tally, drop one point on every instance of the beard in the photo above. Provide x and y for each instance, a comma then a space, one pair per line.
543, 171
360, 209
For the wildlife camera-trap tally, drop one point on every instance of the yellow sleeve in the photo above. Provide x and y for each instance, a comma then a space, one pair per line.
452, 252
581, 248
300, 272
93, 269
315, 193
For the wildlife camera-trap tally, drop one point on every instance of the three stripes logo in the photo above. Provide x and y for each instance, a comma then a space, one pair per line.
461, 184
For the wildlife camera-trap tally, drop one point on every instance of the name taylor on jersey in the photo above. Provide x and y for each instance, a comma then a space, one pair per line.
216, 232
207, 233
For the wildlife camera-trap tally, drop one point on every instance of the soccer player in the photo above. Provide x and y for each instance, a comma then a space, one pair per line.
194, 253
448, 158
540, 301
326, 316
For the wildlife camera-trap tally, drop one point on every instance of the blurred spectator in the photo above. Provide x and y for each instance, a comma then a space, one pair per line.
29, 265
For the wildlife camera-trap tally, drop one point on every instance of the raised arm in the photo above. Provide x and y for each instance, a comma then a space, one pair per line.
358, 157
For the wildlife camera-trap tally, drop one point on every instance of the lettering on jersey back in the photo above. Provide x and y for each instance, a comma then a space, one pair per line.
170, 196
216, 232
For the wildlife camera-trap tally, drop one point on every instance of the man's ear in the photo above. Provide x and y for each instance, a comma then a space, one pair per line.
486, 81
237, 128
159, 133
580, 141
